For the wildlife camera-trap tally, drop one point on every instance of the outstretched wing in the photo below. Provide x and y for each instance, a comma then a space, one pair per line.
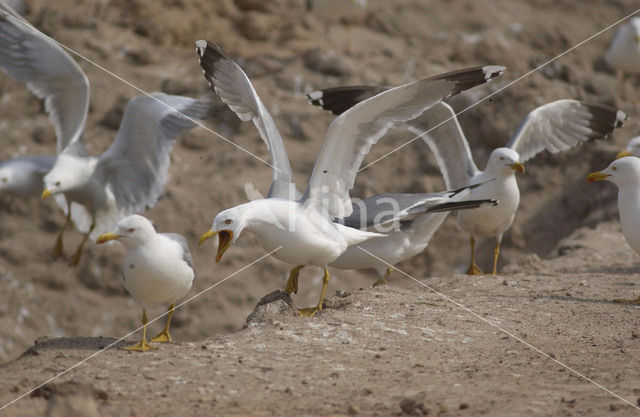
351, 135
234, 88
135, 166
563, 124
29, 56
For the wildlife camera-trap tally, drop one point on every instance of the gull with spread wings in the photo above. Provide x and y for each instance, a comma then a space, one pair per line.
301, 231
555, 127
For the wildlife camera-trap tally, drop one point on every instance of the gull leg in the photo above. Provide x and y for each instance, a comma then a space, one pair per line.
58, 246
635, 301
473, 268
383, 280
496, 253
76, 256
143, 346
164, 335
311, 311
292, 282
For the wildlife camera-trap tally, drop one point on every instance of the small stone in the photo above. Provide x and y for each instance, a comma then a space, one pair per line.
352, 410
327, 62
463, 406
257, 26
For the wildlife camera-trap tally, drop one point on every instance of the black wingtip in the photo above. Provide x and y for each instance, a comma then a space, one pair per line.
604, 119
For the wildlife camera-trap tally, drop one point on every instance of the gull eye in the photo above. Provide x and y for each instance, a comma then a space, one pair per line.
228, 221
57, 184
614, 168
502, 158
131, 230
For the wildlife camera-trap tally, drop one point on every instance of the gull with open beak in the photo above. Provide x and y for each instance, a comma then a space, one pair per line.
625, 173
301, 230
554, 127
157, 269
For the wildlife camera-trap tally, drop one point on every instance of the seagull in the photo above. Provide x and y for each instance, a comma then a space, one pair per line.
623, 54
157, 269
301, 231
555, 127
28, 56
625, 173
22, 176
632, 149
129, 176
418, 217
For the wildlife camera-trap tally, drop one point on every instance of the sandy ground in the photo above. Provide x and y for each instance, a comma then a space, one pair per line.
553, 293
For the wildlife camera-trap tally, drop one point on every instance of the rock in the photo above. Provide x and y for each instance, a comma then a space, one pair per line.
113, 116
270, 307
327, 62
71, 399
352, 410
255, 5
257, 26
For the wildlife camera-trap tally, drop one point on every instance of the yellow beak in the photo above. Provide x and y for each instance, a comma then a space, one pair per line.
597, 176
224, 241
107, 237
45, 194
210, 233
517, 166
623, 153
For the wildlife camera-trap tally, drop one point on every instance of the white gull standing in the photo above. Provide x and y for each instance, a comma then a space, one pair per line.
625, 173
302, 231
157, 269
623, 54
555, 127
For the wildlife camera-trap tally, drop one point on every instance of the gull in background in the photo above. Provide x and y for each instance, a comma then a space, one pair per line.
302, 231
625, 173
157, 269
623, 54
632, 149
129, 176
555, 127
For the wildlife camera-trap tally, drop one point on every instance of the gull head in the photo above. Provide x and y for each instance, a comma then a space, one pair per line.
68, 172
228, 226
622, 172
131, 231
504, 162
632, 149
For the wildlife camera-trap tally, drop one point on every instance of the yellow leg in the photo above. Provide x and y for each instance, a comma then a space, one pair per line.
292, 282
635, 301
496, 253
58, 246
76, 256
473, 268
143, 346
164, 336
383, 280
311, 311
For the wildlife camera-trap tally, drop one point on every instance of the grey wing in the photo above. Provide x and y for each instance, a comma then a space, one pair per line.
441, 131
186, 253
41, 164
234, 88
561, 125
136, 164
29, 56
351, 135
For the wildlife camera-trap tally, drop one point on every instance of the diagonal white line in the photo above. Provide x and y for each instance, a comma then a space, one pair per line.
135, 87
508, 333
539, 67
135, 330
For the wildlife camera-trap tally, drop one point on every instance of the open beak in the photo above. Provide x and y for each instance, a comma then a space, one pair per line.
517, 166
224, 241
45, 194
107, 237
597, 176
623, 153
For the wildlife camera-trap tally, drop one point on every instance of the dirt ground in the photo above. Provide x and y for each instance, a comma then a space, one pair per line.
399, 349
